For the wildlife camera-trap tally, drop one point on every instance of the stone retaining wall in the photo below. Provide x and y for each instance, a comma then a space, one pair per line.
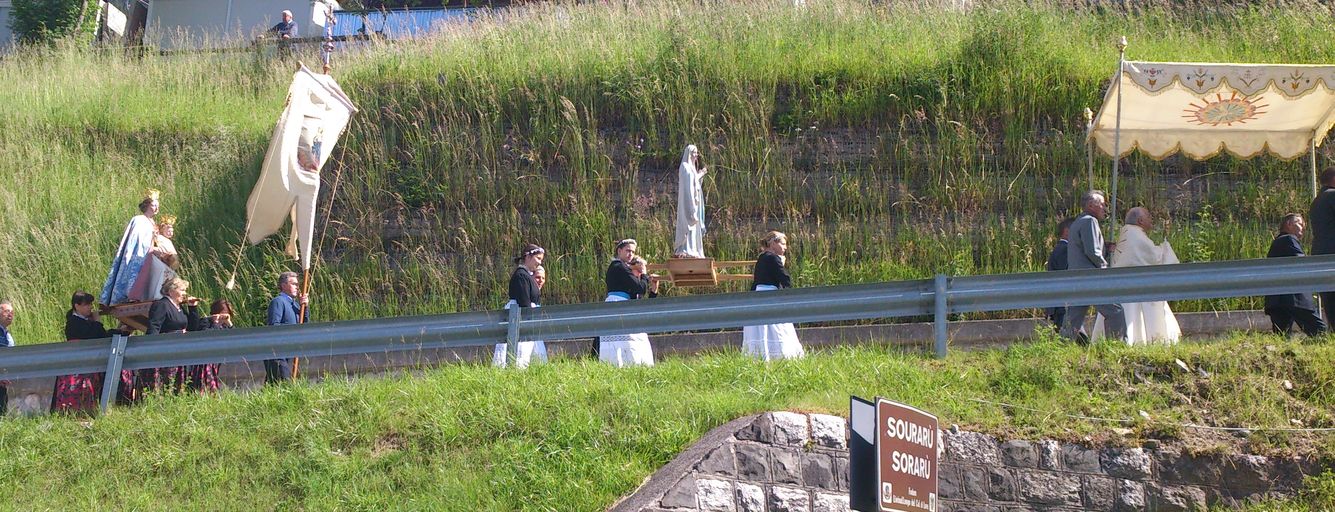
792, 462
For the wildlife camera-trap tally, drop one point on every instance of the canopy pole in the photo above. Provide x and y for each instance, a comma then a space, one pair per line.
1089, 147
1316, 187
1117, 135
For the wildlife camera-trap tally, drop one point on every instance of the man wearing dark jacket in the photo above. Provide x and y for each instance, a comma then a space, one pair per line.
1284, 310
1322, 216
1057, 261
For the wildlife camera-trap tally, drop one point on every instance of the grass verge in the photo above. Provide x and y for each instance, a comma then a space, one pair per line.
575, 435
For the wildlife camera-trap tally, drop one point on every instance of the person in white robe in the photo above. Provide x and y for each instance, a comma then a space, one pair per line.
689, 241
773, 341
160, 264
135, 245
623, 350
1146, 322
527, 351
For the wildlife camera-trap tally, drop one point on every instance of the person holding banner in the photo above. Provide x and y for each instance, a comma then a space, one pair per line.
774, 341
525, 292
623, 350
285, 309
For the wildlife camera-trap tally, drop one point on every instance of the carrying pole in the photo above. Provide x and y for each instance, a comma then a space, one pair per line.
1316, 187
1117, 135
1089, 145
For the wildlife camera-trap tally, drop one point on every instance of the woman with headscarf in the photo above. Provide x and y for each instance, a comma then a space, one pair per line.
135, 246
625, 349
689, 241
774, 341
525, 292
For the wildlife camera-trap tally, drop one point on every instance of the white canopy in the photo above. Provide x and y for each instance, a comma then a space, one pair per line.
1203, 109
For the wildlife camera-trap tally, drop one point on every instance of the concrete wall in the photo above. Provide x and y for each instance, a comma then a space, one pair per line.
194, 24
792, 462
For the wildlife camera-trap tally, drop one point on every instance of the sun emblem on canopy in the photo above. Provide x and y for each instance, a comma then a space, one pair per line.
1225, 111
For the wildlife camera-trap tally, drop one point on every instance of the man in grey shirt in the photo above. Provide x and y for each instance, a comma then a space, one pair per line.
1084, 250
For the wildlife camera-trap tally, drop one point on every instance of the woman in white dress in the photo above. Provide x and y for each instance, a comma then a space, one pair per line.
689, 241
623, 350
774, 341
1146, 322
525, 292
160, 265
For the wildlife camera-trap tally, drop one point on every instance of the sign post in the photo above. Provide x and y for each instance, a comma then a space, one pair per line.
894, 466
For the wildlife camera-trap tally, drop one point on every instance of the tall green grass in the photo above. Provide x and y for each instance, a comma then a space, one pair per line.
891, 141
575, 435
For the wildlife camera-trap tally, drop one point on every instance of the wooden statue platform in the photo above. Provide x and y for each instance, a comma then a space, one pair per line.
133, 314
699, 271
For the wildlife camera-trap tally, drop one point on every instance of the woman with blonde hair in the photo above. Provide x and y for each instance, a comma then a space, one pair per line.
175, 312
774, 341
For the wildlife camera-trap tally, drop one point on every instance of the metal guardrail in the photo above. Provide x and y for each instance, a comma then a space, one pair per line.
938, 297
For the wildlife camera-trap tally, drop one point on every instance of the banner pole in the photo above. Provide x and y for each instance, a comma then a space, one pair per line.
301, 318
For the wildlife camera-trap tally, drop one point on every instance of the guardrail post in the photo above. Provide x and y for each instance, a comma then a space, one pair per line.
111, 382
512, 337
942, 312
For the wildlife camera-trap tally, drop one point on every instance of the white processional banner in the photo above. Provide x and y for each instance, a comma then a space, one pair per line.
316, 114
1204, 109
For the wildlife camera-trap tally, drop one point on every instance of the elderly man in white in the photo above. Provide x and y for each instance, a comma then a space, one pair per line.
1146, 322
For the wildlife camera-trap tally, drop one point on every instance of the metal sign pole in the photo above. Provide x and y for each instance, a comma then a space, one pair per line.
111, 382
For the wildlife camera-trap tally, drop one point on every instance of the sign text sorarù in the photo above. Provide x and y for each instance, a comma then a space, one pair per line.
906, 451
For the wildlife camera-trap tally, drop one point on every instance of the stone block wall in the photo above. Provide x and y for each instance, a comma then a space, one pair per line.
793, 462
980, 473
779, 462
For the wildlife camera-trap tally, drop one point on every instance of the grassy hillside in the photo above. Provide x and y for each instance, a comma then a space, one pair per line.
890, 141
574, 435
